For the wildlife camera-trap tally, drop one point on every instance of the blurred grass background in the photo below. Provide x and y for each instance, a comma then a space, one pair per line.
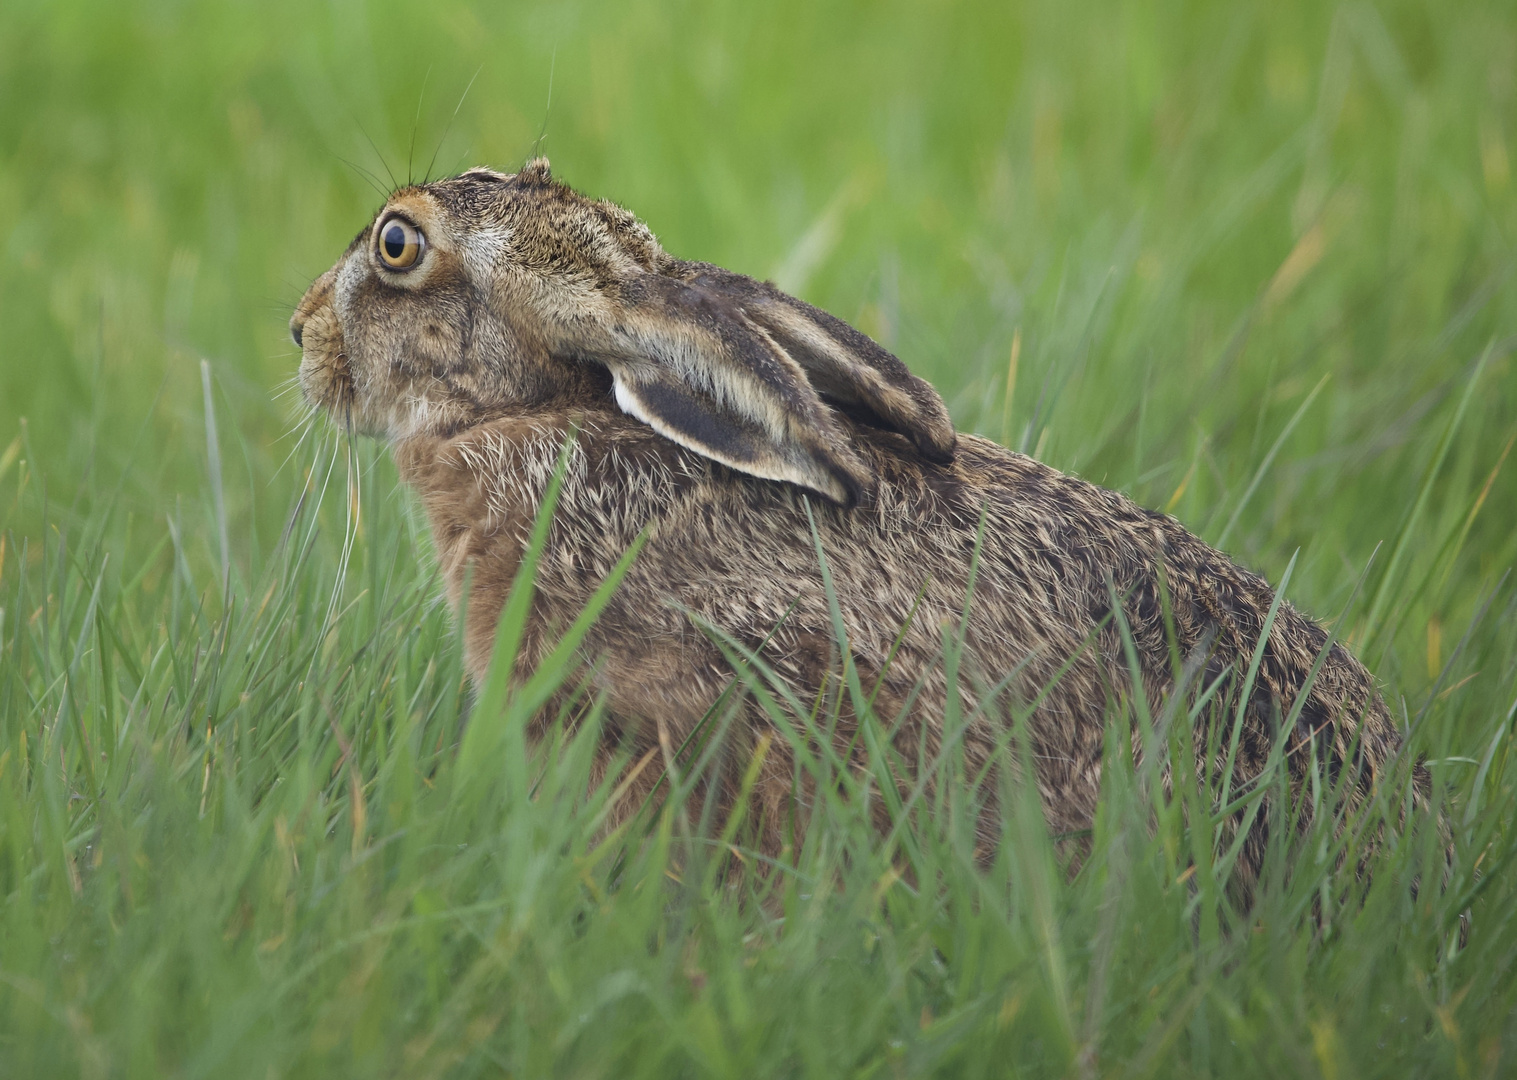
1257, 258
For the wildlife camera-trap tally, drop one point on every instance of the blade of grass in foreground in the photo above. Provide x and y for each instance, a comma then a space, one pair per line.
496, 733
486, 741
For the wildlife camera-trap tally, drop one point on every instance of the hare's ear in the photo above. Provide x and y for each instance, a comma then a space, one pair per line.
687, 361
839, 361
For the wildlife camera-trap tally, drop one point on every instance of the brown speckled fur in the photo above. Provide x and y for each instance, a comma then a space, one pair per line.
536, 312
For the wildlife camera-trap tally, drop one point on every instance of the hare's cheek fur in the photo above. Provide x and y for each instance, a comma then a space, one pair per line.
393, 361
424, 361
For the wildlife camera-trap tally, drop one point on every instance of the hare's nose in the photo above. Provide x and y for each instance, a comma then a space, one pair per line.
296, 326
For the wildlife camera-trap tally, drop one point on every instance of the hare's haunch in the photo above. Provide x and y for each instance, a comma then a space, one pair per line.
477, 322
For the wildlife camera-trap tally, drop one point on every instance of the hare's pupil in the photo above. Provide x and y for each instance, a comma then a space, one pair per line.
395, 241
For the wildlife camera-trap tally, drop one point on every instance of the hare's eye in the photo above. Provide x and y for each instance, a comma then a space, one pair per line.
400, 244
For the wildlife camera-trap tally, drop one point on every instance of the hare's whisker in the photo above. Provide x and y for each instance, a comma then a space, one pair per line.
305, 428
416, 122
427, 176
393, 185
373, 180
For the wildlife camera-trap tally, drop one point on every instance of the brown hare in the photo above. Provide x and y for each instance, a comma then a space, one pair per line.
477, 322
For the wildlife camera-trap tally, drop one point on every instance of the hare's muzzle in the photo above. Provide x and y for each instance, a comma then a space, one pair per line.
326, 378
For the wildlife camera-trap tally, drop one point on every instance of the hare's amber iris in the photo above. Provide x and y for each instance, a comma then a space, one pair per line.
400, 244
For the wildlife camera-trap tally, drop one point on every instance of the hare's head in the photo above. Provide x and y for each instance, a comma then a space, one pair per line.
491, 294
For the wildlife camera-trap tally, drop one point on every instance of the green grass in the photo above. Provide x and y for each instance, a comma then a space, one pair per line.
1259, 258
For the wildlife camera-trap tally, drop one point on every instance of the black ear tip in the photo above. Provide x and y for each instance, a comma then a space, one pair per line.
935, 438
937, 453
854, 491
841, 487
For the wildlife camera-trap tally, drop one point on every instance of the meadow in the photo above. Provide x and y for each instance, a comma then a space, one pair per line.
1251, 263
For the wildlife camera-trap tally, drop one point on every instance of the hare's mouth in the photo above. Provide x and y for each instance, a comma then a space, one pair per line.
326, 377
